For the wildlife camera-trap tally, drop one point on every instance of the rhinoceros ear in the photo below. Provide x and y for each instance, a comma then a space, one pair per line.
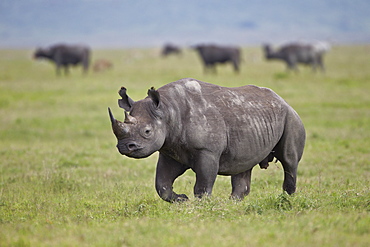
154, 95
126, 102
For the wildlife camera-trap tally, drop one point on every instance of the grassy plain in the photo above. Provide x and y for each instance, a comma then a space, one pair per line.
63, 183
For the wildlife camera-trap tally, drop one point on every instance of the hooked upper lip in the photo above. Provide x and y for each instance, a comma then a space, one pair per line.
137, 153
129, 149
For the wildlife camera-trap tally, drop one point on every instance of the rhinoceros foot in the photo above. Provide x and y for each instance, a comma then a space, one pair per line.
181, 198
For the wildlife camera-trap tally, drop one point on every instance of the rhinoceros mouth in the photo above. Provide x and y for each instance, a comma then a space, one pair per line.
138, 153
125, 151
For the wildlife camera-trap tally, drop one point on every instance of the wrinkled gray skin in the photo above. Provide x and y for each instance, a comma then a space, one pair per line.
293, 54
212, 130
65, 55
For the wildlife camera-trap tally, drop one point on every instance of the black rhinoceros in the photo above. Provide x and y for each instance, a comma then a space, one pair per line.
212, 130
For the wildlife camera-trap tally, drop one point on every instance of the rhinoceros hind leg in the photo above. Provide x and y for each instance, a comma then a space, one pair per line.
290, 179
289, 160
289, 151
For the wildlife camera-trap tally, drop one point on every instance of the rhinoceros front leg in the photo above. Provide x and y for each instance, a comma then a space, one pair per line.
241, 184
206, 169
167, 171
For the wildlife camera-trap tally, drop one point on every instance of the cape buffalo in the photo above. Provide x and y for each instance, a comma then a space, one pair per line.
211, 130
295, 53
64, 55
213, 54
170, 49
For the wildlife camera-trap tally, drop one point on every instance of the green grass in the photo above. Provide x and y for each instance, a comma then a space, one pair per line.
63, 183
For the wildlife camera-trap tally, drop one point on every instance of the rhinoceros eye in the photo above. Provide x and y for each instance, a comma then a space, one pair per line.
146, 131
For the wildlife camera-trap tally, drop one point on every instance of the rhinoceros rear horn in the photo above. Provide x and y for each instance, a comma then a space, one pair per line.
129, 119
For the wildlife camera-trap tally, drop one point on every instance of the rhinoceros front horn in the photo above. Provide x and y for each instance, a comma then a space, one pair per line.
118, 127
117, 130
112, 119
